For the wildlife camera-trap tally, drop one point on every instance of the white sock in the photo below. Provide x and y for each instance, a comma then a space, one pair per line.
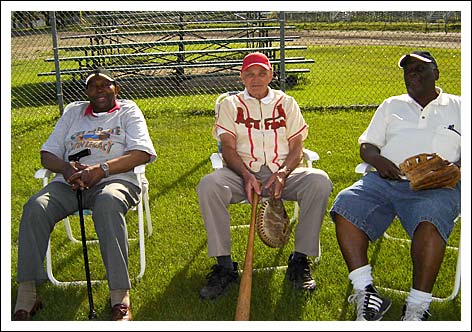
119, 296
417, 297
26, 296
361, 277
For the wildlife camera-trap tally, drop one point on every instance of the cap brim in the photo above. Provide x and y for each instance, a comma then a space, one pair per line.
419, 57
265, 66
99, 74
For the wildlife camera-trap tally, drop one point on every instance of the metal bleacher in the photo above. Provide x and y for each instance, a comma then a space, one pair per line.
174, 44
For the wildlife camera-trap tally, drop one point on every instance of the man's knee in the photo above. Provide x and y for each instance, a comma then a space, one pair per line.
35, 206
108, 202
207, 184
320, 182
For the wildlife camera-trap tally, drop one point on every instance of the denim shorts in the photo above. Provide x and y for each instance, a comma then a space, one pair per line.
372, 203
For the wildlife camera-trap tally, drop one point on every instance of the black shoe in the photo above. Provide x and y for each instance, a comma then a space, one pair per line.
415, 312
298, 272
370, 305
219, 281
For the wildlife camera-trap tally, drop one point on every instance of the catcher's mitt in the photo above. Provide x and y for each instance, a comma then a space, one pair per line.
272, 223
428, 171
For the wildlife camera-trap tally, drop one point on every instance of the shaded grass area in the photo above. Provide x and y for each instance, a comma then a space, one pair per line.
176, 254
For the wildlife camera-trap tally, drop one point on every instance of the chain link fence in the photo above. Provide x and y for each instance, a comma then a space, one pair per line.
182, 60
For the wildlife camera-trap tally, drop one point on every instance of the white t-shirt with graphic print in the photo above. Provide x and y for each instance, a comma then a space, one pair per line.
108, 136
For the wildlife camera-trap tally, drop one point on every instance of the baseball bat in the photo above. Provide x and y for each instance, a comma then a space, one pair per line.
243, 307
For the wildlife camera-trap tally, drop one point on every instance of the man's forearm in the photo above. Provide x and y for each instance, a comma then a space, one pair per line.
52, 162
234, 162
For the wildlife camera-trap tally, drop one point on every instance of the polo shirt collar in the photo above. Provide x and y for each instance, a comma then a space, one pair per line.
440, 99
89, 111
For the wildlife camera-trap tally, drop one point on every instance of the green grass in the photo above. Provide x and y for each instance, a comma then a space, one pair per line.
176, 254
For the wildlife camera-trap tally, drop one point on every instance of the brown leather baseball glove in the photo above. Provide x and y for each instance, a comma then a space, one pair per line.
429, 171
273, 223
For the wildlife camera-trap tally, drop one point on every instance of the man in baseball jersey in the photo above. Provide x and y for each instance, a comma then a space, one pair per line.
261, 132
115, 131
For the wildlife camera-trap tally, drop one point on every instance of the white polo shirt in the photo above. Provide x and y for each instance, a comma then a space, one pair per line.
401, 128
262, 128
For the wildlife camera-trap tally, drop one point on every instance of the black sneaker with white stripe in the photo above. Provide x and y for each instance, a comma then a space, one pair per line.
370, 305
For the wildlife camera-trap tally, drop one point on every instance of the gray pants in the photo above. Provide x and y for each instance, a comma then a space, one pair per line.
109, 202
310, 187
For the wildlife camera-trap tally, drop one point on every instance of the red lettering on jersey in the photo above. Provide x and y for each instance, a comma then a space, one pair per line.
249, 122
277, 122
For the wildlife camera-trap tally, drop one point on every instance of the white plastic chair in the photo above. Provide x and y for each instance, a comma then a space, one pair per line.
364, 168
44, 175
216, 159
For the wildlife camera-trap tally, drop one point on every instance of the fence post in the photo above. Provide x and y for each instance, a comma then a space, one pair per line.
60, 97
282, 50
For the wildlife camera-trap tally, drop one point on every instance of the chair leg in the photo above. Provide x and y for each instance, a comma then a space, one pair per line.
145, 197
457, 278
53, 279
148, 212
142, 256
69, 232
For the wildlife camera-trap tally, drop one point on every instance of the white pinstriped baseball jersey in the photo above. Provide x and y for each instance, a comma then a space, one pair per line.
262, 128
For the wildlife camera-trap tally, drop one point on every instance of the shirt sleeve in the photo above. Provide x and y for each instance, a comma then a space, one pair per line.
295, 122
224, 122
375, 133
56, 143
137, 134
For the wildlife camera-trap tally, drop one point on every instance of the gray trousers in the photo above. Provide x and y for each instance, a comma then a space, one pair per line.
109, 203
310, 187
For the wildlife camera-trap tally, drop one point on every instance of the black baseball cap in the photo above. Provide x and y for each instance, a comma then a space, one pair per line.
424, 56
100, 72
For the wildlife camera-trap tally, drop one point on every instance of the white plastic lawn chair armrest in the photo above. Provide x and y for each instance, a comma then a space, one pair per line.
364, 168
140, 169
216, 160
310, 155
42, 173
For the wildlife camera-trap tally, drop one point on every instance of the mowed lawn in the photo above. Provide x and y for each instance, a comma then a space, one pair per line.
176, 253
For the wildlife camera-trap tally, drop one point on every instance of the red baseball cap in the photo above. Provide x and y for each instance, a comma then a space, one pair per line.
256, 58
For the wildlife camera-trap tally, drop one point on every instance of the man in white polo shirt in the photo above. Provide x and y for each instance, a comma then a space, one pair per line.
425, 120
261, 132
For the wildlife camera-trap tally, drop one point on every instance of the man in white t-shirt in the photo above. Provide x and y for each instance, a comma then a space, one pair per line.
115, 131
425, 120
261, 132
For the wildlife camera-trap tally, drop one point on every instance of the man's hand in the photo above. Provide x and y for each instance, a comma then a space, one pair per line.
276, 184
251, 185
86, 177
387, 169
70, 168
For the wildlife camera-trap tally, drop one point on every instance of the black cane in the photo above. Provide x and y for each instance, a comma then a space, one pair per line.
76, 157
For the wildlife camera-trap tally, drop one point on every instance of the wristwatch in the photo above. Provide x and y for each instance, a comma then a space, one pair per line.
106, 169
285, 169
